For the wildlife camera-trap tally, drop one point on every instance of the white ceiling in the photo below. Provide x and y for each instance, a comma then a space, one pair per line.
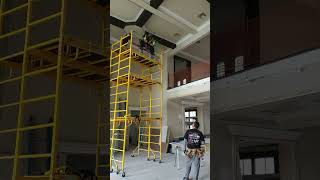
185, 12
199, 51
124, 10
291, 113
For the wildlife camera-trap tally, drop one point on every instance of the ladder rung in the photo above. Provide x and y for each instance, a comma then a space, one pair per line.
44, 19
118, 120
41, 71
116, 139
10, 80
118, 102
37, 127
6, 157
14, 9
116, 149
34, 156
118, 49
119, 85
9, 105
39, 98
8, 131
11, 56
12, 33
144, 142
117, 129
119, 111
103, 165
118, 93
119, 77
43, 43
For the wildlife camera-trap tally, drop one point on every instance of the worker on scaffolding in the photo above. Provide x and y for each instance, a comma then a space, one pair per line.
147, 43
194, 142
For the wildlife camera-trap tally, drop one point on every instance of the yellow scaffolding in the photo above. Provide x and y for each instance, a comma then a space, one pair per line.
125, 61
61, 57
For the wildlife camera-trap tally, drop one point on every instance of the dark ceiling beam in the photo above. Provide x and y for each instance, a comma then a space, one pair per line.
164, 42
141, 21
146, 15
117, 22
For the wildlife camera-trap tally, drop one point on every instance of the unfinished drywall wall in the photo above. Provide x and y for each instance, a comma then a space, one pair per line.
175, 119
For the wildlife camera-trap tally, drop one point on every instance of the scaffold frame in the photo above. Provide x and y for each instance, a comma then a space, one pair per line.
64, 58
123, 57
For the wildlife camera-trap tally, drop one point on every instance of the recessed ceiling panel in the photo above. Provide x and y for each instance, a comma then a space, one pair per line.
124, 10
165, 29
195, 11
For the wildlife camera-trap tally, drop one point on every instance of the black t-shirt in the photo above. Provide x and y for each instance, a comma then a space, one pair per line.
194, 138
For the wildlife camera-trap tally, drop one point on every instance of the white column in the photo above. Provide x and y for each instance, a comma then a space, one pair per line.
164, 98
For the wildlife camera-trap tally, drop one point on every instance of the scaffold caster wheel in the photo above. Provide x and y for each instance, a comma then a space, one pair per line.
148, 159
118, 172
154, 160
123, 174
132, 155
160, 162
111, 170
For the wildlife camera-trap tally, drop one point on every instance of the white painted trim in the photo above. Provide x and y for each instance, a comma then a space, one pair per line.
190, 89
163, 15
192, 57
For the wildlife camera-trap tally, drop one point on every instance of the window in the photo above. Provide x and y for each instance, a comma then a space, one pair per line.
246, 167
264, 166
190, 117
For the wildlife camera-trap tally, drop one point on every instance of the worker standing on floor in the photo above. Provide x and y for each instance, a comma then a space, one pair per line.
194, 140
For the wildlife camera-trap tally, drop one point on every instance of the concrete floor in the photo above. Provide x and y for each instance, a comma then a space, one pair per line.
138, 168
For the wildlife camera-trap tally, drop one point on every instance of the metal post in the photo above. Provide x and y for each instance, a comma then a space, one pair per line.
22, 92
57, 107
1, 10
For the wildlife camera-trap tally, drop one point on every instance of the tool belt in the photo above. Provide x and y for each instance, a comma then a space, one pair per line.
199, 152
